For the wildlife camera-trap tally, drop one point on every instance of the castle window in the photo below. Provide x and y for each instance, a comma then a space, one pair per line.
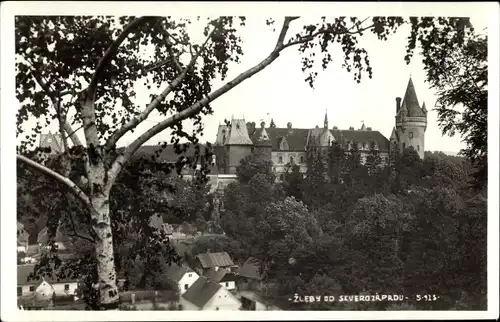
281, 177
291, 160
301, 159
274, 169
19, 291
418, 147
404, 146
280, 159
411, 135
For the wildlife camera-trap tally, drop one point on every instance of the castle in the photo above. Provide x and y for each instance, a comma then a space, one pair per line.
289, 146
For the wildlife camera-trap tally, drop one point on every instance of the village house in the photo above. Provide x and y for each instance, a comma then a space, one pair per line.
207, 295
250, 277
182, 276
224, 277
207, 261
44, 287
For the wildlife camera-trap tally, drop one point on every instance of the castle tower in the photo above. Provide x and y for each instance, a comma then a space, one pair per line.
237, 145
325, 124
411, 122
263, 142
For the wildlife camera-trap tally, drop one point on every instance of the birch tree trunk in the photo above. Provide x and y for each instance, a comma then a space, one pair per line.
101, 223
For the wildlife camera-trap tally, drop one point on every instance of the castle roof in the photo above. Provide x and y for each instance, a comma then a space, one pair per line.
410, 101
295, 138
238, 133
365, 137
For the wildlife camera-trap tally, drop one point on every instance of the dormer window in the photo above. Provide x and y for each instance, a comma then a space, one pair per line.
280, 159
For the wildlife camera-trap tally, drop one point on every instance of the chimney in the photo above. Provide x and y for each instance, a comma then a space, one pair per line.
398, 104
368, 128
262, 124
289, 126
351, 128
335, 127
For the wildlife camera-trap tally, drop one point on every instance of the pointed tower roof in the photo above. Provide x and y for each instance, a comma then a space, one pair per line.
363, 127
410, 101
394, 135
326, 119
238, 133
423, 108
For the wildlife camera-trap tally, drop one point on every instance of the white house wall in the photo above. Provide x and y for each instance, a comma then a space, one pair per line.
59, 288
230, 285
189, 279
224, 301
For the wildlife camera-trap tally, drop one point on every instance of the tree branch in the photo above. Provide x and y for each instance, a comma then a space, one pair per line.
133, 123
112, 49
284, 30
169, 46
65, 124
329, 31
76, 234
71, 133
54, 175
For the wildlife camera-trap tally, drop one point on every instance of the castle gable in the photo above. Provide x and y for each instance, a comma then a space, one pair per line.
52, 141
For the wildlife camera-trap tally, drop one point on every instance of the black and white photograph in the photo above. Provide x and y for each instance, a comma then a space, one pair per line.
329, 159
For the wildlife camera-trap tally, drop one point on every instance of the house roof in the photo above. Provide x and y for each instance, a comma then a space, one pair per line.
201, 291
221, 275
410, 101
221, 259
23, 271
364, 137
175, 272
251, 269
167, 154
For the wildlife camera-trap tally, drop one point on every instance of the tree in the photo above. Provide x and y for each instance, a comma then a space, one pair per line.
456, 64
293, 182
255, 163
80, 72
375, 229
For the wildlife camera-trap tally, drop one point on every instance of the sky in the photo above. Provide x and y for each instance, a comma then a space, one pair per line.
279, 92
